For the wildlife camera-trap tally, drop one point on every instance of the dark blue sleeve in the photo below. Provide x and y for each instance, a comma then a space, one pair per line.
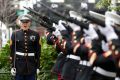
37, 51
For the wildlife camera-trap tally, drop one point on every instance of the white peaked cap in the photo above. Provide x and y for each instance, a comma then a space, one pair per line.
24, 17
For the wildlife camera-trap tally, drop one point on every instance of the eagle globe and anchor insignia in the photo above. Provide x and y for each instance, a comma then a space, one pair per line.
32, 38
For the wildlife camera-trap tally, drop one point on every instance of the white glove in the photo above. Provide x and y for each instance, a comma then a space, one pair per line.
108, 32
61, 26
13, 71
117, 78
105, 46
84, 5
55, 26
91, 32
57, 33
74, 26
88, 39
38, 71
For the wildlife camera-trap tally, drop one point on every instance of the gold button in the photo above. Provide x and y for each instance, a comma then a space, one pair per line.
113, 47
25, 33
61, 44
26, 47
116, 52
75, 41
25, 43
26, 50
74, 37
25, 54
25, 36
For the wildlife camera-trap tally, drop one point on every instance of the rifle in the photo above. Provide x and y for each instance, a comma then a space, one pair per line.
86, 15
42, 23
43, 17
67, 18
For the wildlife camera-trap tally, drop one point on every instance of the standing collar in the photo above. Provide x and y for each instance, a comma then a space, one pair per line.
25, 30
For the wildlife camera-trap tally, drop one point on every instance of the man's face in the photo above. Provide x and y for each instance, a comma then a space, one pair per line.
25, 24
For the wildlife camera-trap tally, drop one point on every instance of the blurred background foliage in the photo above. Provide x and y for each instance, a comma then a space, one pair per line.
47, 60
107, 4
103, 3
4, 56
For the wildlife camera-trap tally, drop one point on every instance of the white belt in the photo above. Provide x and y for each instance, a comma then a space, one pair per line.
117, 78
86, 63
73, 57
104, 72
25, 54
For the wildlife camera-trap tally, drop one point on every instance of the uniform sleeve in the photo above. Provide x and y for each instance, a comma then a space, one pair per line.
96, 46
50, 39
37, 51
115, 43
95, 51
100, 59
12, 47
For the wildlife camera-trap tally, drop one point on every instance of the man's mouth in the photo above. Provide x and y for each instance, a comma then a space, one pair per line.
25, 26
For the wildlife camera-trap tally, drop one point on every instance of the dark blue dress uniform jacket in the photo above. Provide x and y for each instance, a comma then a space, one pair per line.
26, 42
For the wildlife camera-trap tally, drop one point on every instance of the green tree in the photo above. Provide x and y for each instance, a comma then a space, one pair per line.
107, 4
47, 60
4, 57
5, 63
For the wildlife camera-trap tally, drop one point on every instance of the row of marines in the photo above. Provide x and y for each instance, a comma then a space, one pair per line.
87, 52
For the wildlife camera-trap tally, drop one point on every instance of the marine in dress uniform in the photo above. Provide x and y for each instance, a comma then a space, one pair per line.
104, 67
85, 68
72, 59
25, 51
116, 43
54, 39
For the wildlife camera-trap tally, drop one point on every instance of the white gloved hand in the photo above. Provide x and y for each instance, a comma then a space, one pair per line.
84, 5
38, 71
55, 26
74, 26
117, 78
108, 32
91, 32
57, 33
61, 26
13, 71
88, 39
105, 46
